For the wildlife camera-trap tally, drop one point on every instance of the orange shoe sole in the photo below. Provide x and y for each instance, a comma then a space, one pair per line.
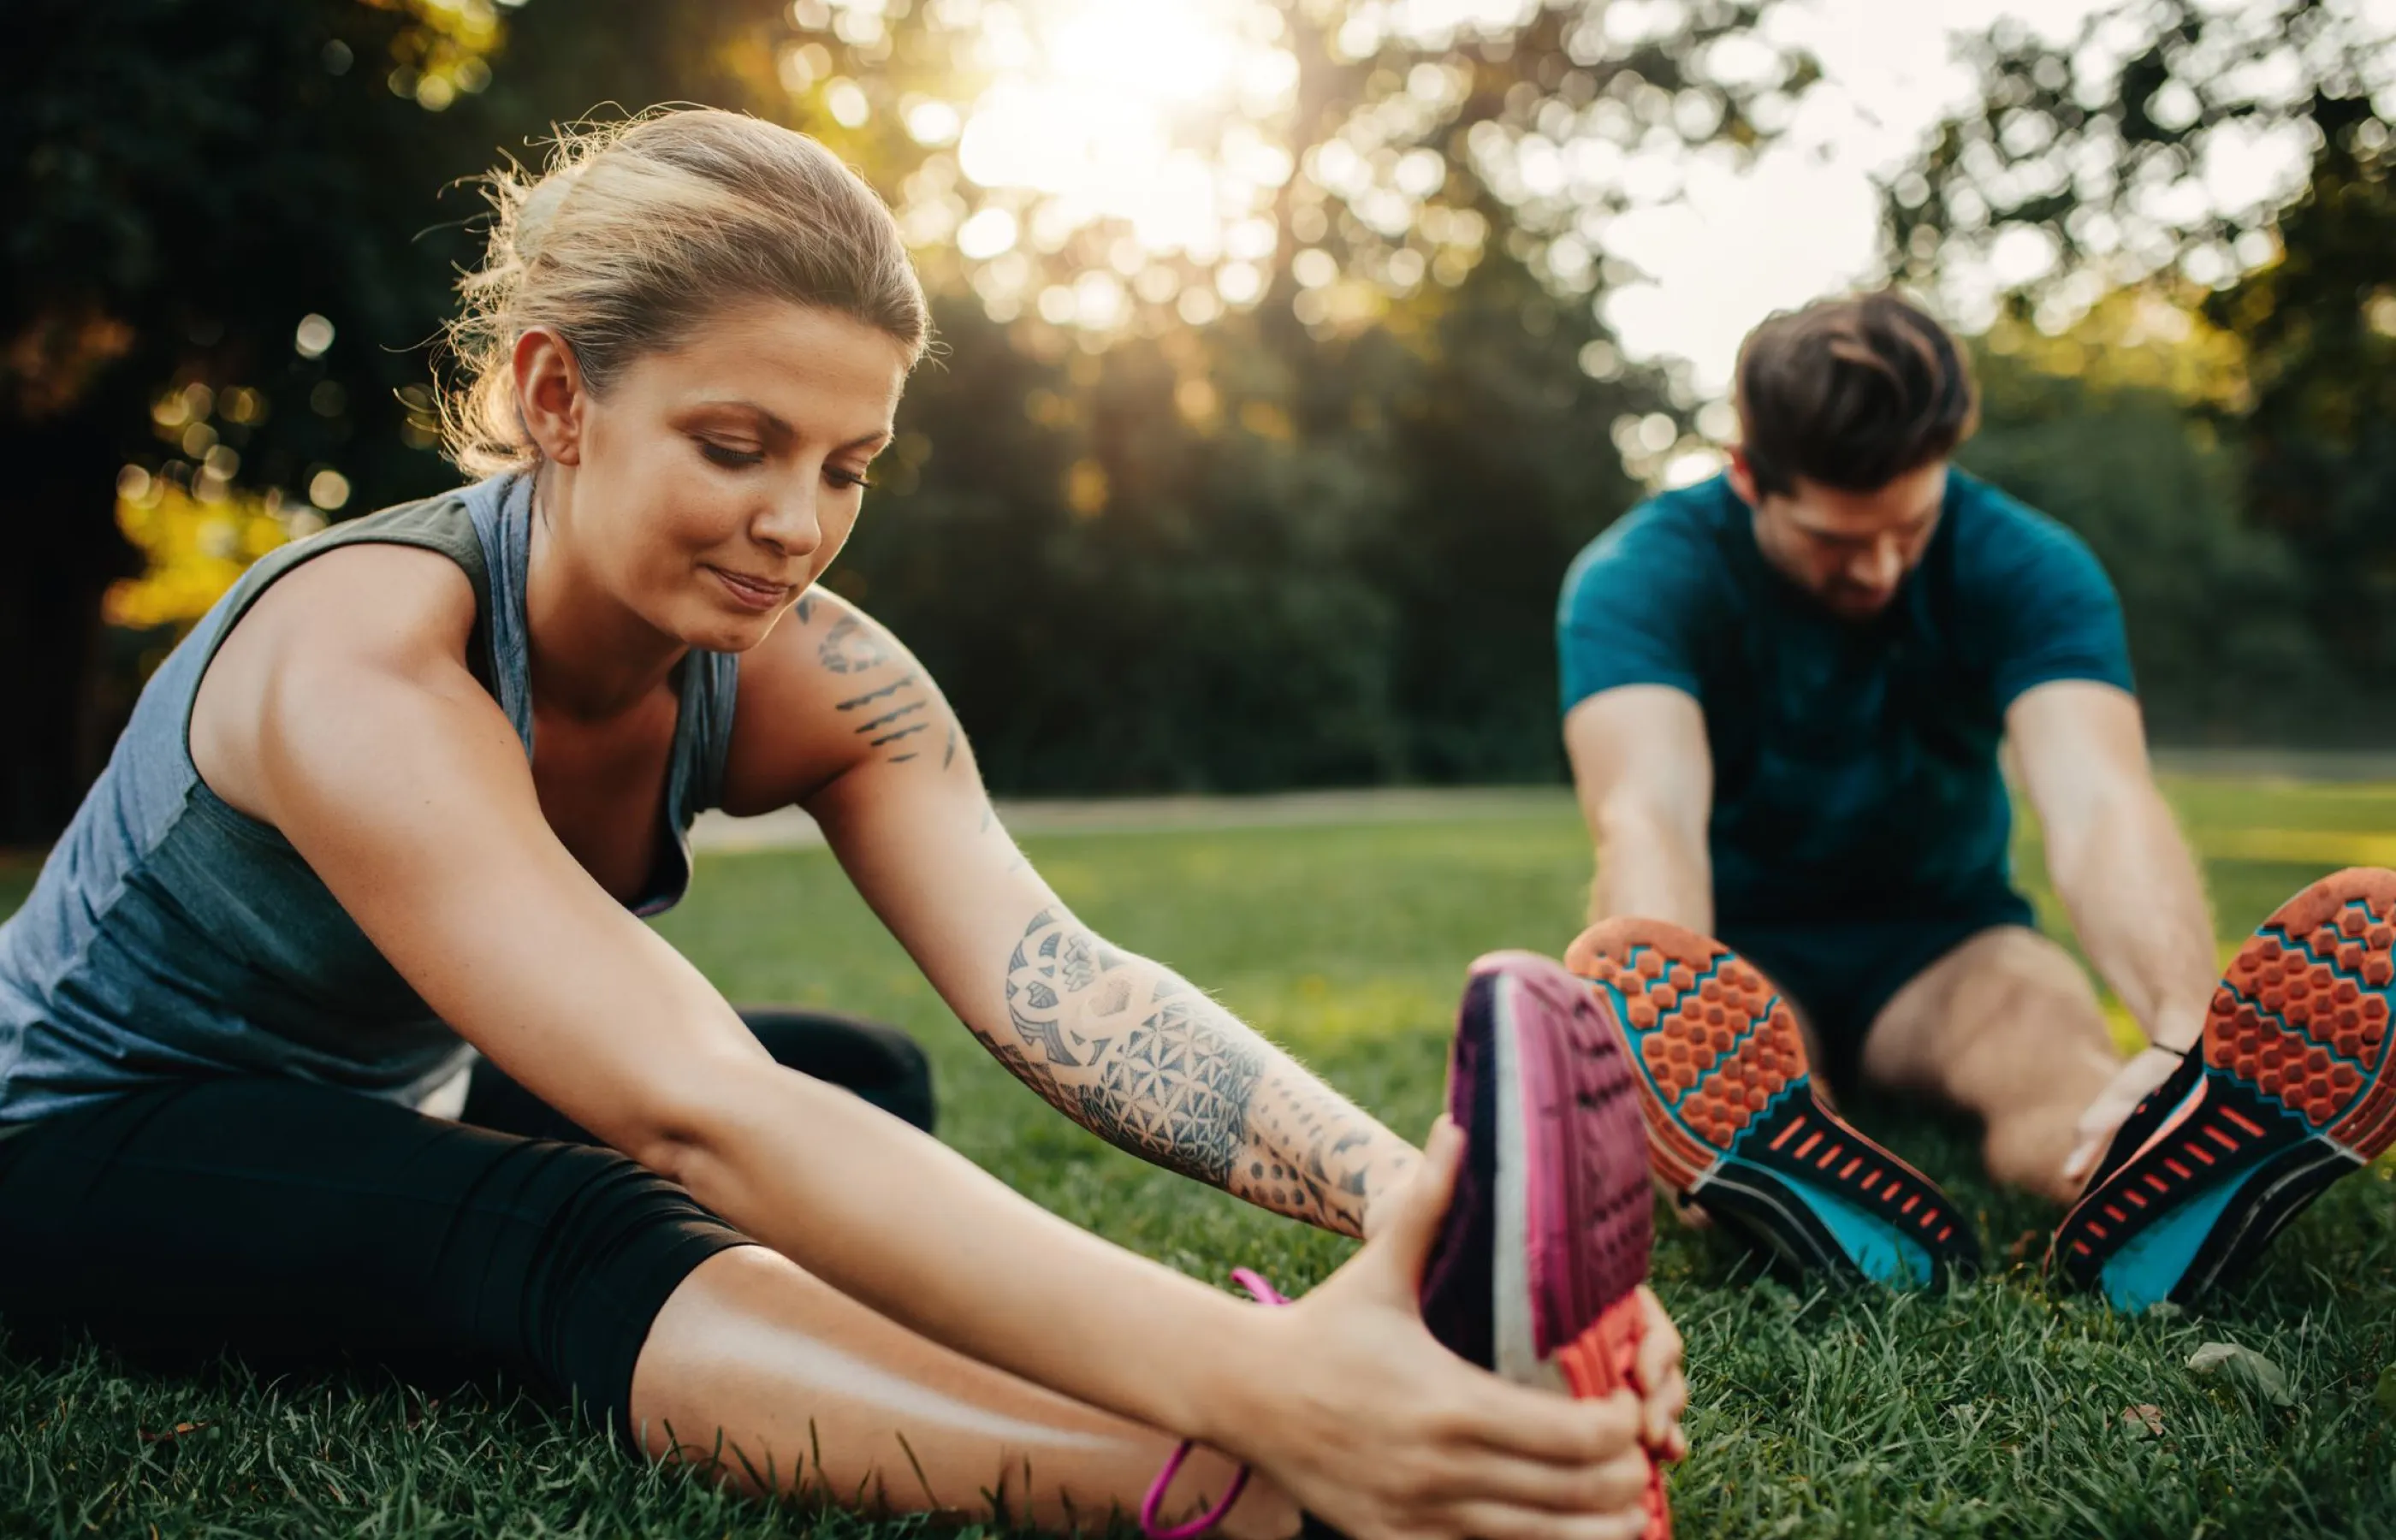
1733, 1124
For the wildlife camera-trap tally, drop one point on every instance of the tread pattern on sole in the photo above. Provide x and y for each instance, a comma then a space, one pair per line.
2302, 1012
1592, 1139
2294, 1053
1596, 1219
1725, 1076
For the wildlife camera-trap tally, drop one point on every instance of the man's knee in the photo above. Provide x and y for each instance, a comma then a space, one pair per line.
2014, 1020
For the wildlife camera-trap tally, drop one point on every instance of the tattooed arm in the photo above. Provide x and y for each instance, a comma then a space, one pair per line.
843, 719
1136, 1054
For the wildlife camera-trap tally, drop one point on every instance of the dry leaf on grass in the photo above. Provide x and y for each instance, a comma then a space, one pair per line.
171, 1434
2145, 1418
2244, 1363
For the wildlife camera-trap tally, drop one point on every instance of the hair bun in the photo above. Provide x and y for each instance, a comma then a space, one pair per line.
536, 211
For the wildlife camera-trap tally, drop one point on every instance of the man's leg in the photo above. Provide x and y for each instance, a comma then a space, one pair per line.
2006, 1027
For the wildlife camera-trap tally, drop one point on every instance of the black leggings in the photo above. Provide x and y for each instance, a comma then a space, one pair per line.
292, 1224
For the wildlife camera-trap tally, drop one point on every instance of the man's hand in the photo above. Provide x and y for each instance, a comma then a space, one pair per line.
2130, 1085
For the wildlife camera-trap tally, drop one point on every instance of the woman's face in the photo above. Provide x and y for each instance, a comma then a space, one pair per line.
711, 484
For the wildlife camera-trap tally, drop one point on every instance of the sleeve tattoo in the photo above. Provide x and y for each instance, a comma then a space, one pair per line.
1145, 1060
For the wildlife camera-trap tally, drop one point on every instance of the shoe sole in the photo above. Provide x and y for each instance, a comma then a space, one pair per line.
1573, 1221
2291, 1091
1734, 1125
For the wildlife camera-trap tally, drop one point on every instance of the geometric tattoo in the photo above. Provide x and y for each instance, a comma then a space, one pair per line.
1169, 1081
1140, 1058
1124, 1046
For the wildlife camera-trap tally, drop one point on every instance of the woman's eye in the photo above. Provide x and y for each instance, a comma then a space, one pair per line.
729, 458
841, 478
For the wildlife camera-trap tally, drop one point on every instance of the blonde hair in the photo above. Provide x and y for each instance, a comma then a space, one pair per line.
637, 232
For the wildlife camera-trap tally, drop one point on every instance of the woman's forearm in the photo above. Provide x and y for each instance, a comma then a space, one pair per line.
1143, 1058
921, 1234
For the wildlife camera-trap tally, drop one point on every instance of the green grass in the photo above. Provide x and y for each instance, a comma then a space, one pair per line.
1993, 1410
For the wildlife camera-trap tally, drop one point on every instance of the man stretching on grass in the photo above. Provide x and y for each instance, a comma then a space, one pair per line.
1785, 689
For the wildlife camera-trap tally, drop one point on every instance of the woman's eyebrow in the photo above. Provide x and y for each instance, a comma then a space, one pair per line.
777, 426
765, 420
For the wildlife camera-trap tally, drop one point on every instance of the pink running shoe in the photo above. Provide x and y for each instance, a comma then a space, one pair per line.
1535, 1271
1534, 1274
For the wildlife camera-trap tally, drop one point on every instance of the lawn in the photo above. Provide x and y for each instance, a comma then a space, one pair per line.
1992, 1410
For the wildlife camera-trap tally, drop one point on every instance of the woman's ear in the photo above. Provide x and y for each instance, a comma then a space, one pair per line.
550, 396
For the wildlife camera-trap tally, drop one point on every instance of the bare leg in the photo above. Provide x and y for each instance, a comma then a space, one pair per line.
2006, 1027
765, 1376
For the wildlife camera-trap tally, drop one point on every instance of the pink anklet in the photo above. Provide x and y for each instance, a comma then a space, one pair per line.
1265, 1295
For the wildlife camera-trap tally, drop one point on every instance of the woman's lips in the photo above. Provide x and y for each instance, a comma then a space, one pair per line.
751, 592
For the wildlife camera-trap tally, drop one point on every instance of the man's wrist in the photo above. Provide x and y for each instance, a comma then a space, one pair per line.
2179, 1026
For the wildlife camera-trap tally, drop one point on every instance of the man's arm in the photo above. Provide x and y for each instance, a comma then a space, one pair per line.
2115, 854
1123, 1046
1645, 778
2124, 874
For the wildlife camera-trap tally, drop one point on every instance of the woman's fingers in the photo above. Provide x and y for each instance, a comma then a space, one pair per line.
1539, 1425
1656, 1371
1401, 1243
1605, 1486
1498, 1521
1659, 1342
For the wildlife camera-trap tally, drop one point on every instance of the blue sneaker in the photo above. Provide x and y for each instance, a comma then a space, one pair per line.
1733, 1124
2291, 1090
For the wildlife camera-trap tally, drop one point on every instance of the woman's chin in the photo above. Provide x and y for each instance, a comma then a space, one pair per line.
719, 631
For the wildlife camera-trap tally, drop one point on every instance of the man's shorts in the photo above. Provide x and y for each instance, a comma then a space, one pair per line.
1840, 973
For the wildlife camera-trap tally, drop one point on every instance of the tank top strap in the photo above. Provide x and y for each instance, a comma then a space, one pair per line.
710, 688
500, 509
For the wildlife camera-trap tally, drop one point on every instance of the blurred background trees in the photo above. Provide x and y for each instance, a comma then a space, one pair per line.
2210, 184
1274, 392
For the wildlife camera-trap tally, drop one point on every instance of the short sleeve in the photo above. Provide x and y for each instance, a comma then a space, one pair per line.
2047, 605
1633, 604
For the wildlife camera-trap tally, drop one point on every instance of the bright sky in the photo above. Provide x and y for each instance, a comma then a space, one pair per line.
1147, 112
1803, 219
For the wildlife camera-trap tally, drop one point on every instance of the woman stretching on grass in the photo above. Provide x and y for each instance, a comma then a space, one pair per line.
406, 791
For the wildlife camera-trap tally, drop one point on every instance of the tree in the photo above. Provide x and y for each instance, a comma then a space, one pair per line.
2132, 156
187, 185
1299, 471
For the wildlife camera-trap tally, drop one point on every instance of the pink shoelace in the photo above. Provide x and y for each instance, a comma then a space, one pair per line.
1265, 1295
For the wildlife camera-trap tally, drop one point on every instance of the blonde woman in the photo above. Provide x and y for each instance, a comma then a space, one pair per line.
398, 801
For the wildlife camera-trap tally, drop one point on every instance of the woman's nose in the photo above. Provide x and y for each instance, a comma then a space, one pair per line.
789, 523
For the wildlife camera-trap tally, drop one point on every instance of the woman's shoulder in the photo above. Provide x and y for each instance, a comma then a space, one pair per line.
827, 686
359, 596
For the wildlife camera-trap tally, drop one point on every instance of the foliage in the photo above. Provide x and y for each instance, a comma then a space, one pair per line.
2119, 153
237, 244
191, 552
2102, 427
186, 183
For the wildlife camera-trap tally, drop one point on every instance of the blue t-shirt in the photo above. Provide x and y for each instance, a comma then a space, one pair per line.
1854, 763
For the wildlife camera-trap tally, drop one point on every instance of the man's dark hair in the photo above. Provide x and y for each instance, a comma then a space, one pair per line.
1851, 394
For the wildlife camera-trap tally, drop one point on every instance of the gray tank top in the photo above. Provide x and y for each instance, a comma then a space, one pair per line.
170, 935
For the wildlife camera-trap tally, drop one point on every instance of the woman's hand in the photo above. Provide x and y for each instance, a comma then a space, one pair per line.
1373, 1426
1663, 1390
